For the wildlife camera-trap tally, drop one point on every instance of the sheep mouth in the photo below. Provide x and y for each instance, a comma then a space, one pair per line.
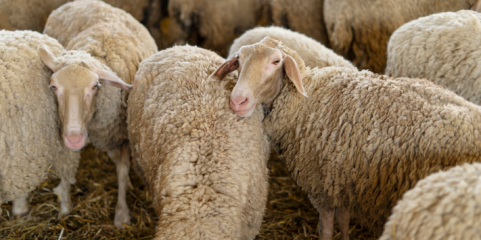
74, 142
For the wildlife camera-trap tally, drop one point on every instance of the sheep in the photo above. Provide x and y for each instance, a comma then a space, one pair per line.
32, 14
359, 140
29, 133
441, 47
360, 30
444, 205
301, 16
312, 52
205, 167
215, 24
107, 41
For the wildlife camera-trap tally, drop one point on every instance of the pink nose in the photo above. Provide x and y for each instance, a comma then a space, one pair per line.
74, 139
238, 102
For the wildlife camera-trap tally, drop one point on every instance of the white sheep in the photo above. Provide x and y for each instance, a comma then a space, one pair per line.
312, 52
117, 42
303, 16
205, 167
444, 205
359, 140
32, 14
359, 30
443, 48
29, 133
215, 24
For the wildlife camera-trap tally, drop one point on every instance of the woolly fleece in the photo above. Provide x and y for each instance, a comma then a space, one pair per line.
205, 167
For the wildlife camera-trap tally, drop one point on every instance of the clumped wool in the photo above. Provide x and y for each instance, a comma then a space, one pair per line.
215, 23
30, 141
444, 205
359, 30
361, 140
32, 14
303, 16
114, 38
312, 52
205, 167
443, 48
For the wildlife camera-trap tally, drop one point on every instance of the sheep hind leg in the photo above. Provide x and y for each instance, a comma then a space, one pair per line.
20, 207
342, 219
122, 162
63, 193
326, 223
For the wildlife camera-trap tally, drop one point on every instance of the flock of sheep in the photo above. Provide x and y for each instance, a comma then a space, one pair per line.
385, 128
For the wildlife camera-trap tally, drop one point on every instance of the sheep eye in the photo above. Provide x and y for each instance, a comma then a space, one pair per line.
96, 86
276, 62
53, 87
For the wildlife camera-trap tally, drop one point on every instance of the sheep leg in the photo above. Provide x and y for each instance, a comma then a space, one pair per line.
20, 206
326, 223
63, 193
342, 218
122, 162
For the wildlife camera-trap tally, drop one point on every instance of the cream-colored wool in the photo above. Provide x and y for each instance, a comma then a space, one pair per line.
361, 140
444, 205
443, 48
215, 23
205, 167
303, 16
359, 30
30, 140
32, 14
312, 52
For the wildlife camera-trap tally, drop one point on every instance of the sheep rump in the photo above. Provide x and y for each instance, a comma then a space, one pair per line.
194, 154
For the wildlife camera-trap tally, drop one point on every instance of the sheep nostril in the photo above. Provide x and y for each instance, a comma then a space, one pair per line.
239, 101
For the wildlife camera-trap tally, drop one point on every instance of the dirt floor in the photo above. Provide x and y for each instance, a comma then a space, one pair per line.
289, 213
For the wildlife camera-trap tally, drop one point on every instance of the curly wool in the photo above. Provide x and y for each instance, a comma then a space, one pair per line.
443, 48
115, 39
30, 141
312, 52
359, 30
361, 140
32, 14
303, 16
444, 205
205, 167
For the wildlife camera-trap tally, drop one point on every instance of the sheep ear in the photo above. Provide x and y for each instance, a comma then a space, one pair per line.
228, 66
110, 78
477, 6
48, 58
292, 71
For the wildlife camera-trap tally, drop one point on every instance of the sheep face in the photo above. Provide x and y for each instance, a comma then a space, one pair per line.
262, 68
76, 87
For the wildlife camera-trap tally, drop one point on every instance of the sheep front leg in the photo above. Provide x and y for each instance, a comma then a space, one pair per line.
122, 162
63, 193
342, 217
20, 206
326, 223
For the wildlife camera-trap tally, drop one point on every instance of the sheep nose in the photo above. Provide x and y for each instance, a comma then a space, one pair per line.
239, 101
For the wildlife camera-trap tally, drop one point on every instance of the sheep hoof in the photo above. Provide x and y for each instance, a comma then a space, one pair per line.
122, 216
20, 207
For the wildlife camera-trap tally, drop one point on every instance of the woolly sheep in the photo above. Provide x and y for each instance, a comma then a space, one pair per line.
444, 205
29, 133
215, 23
303, 16
205, 167
32, 14
443, 48
359, 140
117, 43
359, 30
312, 52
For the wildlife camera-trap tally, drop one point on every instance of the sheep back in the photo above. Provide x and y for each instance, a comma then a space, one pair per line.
30, 141
205, 167
443, 48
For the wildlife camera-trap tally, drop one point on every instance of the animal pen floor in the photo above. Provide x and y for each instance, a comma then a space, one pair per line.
289, 213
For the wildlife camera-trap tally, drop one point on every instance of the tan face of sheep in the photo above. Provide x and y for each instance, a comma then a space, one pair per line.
262, 68
75, 88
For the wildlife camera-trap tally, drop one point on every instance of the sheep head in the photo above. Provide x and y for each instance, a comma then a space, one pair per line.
75, 84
